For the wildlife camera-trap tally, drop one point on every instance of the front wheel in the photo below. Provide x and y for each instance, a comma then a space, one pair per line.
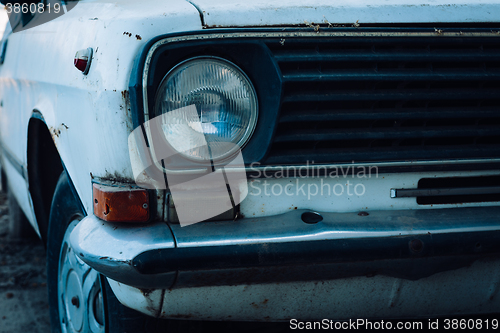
80, 299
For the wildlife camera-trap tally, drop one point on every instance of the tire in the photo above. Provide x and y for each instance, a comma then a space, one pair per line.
80, 299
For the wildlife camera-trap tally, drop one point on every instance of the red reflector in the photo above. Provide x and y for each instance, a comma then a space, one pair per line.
120, 204
81, 64
82, 61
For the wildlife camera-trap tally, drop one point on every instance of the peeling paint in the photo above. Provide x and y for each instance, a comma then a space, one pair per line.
56, 132
116, 177
217, 13
312, 25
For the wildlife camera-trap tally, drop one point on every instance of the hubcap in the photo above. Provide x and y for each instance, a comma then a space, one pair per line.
81, 306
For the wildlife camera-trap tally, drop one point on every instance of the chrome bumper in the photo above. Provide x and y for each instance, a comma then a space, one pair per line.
410, 244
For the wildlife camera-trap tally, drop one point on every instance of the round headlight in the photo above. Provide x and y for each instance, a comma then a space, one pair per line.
225, 103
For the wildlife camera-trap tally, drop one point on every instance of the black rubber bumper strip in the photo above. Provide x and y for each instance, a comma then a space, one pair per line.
207, 258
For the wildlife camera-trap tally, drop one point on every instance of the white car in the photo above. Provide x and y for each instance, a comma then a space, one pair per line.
256, 161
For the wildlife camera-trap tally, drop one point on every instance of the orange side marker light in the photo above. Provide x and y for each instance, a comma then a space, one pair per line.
120, 204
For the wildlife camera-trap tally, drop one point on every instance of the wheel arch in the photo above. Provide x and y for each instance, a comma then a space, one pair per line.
44, 168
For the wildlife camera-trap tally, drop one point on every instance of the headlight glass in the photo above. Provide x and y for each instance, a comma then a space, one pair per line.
226, 108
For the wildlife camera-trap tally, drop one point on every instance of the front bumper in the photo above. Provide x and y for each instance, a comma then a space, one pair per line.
379, 249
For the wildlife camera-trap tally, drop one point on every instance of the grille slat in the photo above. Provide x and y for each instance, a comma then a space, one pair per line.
373, 114
394, 95
396, 55
343, 134
382, 99
399, 75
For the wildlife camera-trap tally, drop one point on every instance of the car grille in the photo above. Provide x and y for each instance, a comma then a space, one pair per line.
387, 99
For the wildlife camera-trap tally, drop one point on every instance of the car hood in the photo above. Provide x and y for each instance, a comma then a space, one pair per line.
242, 13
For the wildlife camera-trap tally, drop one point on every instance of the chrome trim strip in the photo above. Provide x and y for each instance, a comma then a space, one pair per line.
373, 164
436, 192
299, 168
289, 227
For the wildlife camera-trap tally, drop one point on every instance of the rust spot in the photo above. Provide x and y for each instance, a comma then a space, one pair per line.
126, 103
125, 95
312, 25
265, 301
114, 178
104, 258
127, 34
146, 292
138, 37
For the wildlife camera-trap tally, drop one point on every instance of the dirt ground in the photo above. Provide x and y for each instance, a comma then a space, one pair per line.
23, 288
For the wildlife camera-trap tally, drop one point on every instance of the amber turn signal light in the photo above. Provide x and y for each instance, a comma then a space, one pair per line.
120, 204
